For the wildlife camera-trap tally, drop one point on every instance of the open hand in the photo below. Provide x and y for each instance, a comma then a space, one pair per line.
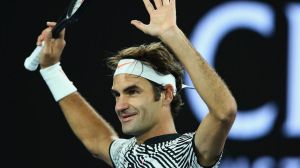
162, 18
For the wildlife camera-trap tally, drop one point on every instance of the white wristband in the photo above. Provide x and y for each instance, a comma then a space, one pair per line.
57, 81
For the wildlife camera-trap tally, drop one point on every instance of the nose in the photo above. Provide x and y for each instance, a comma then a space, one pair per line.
121, 104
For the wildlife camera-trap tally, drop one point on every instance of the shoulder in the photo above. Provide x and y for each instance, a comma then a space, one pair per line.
118, 148
120, 143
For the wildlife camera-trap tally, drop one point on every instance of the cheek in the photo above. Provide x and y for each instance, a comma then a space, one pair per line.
147, 106
151, 110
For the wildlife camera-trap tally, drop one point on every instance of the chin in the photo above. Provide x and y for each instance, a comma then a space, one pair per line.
129, 131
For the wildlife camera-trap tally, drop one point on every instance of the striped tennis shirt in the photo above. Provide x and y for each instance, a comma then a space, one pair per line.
166, 151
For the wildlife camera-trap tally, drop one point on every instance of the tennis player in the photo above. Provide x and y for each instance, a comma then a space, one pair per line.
146, 85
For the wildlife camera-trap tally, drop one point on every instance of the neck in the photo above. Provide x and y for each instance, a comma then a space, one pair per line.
164, 126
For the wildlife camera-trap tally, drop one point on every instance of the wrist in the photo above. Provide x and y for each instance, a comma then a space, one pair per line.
58, 83
48, 64
169, 33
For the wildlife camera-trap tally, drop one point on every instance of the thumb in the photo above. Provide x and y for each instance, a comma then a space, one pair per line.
138, 24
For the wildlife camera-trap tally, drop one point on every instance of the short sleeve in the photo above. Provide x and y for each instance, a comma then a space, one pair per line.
116, 148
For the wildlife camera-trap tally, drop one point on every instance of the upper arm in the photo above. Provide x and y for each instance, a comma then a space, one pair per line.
103, 152
210, 138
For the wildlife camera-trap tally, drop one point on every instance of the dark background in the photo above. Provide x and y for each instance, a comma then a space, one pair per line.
34, 131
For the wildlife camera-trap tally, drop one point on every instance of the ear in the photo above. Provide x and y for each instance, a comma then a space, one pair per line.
168, 94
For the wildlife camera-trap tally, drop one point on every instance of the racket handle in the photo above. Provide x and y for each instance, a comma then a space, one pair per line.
32, 62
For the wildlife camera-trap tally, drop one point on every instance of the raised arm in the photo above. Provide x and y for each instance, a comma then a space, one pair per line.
92, 130
212, 132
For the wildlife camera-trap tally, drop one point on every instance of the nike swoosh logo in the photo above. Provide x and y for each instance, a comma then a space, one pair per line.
121, 65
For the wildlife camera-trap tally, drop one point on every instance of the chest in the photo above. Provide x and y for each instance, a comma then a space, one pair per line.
163, 155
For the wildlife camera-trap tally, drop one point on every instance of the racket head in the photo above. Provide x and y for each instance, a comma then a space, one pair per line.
71, 15
74, 7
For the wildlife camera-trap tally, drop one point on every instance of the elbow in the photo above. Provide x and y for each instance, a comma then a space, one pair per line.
227, 113
230, 111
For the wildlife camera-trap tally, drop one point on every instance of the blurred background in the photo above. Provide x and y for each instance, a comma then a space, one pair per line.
253, 45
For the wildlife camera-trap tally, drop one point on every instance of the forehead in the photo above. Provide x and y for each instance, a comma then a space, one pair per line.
123, 81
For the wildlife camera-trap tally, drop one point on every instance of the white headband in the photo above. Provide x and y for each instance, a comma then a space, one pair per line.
136, 67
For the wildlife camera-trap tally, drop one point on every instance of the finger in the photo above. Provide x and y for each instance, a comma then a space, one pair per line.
51, 24
58, 46
41, 37
173, 2
39, 40
47, 40
158, 3
139, 25
62, 34
166, 2
148, 5
60, 42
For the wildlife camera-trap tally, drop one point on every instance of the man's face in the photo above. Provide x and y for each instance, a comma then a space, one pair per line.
135, 105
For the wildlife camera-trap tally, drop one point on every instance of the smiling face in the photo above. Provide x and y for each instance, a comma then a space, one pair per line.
135, 106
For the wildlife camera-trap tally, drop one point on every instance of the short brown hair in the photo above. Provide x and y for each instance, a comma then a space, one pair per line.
161, 60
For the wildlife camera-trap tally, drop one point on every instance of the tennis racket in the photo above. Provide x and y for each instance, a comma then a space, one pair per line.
71, 15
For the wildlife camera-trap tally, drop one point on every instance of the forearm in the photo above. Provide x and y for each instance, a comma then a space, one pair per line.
206, 81
94, 132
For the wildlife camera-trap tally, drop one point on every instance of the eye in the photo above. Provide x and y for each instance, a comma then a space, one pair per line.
133, 91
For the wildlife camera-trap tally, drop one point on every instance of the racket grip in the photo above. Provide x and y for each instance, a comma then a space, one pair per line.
32, 62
